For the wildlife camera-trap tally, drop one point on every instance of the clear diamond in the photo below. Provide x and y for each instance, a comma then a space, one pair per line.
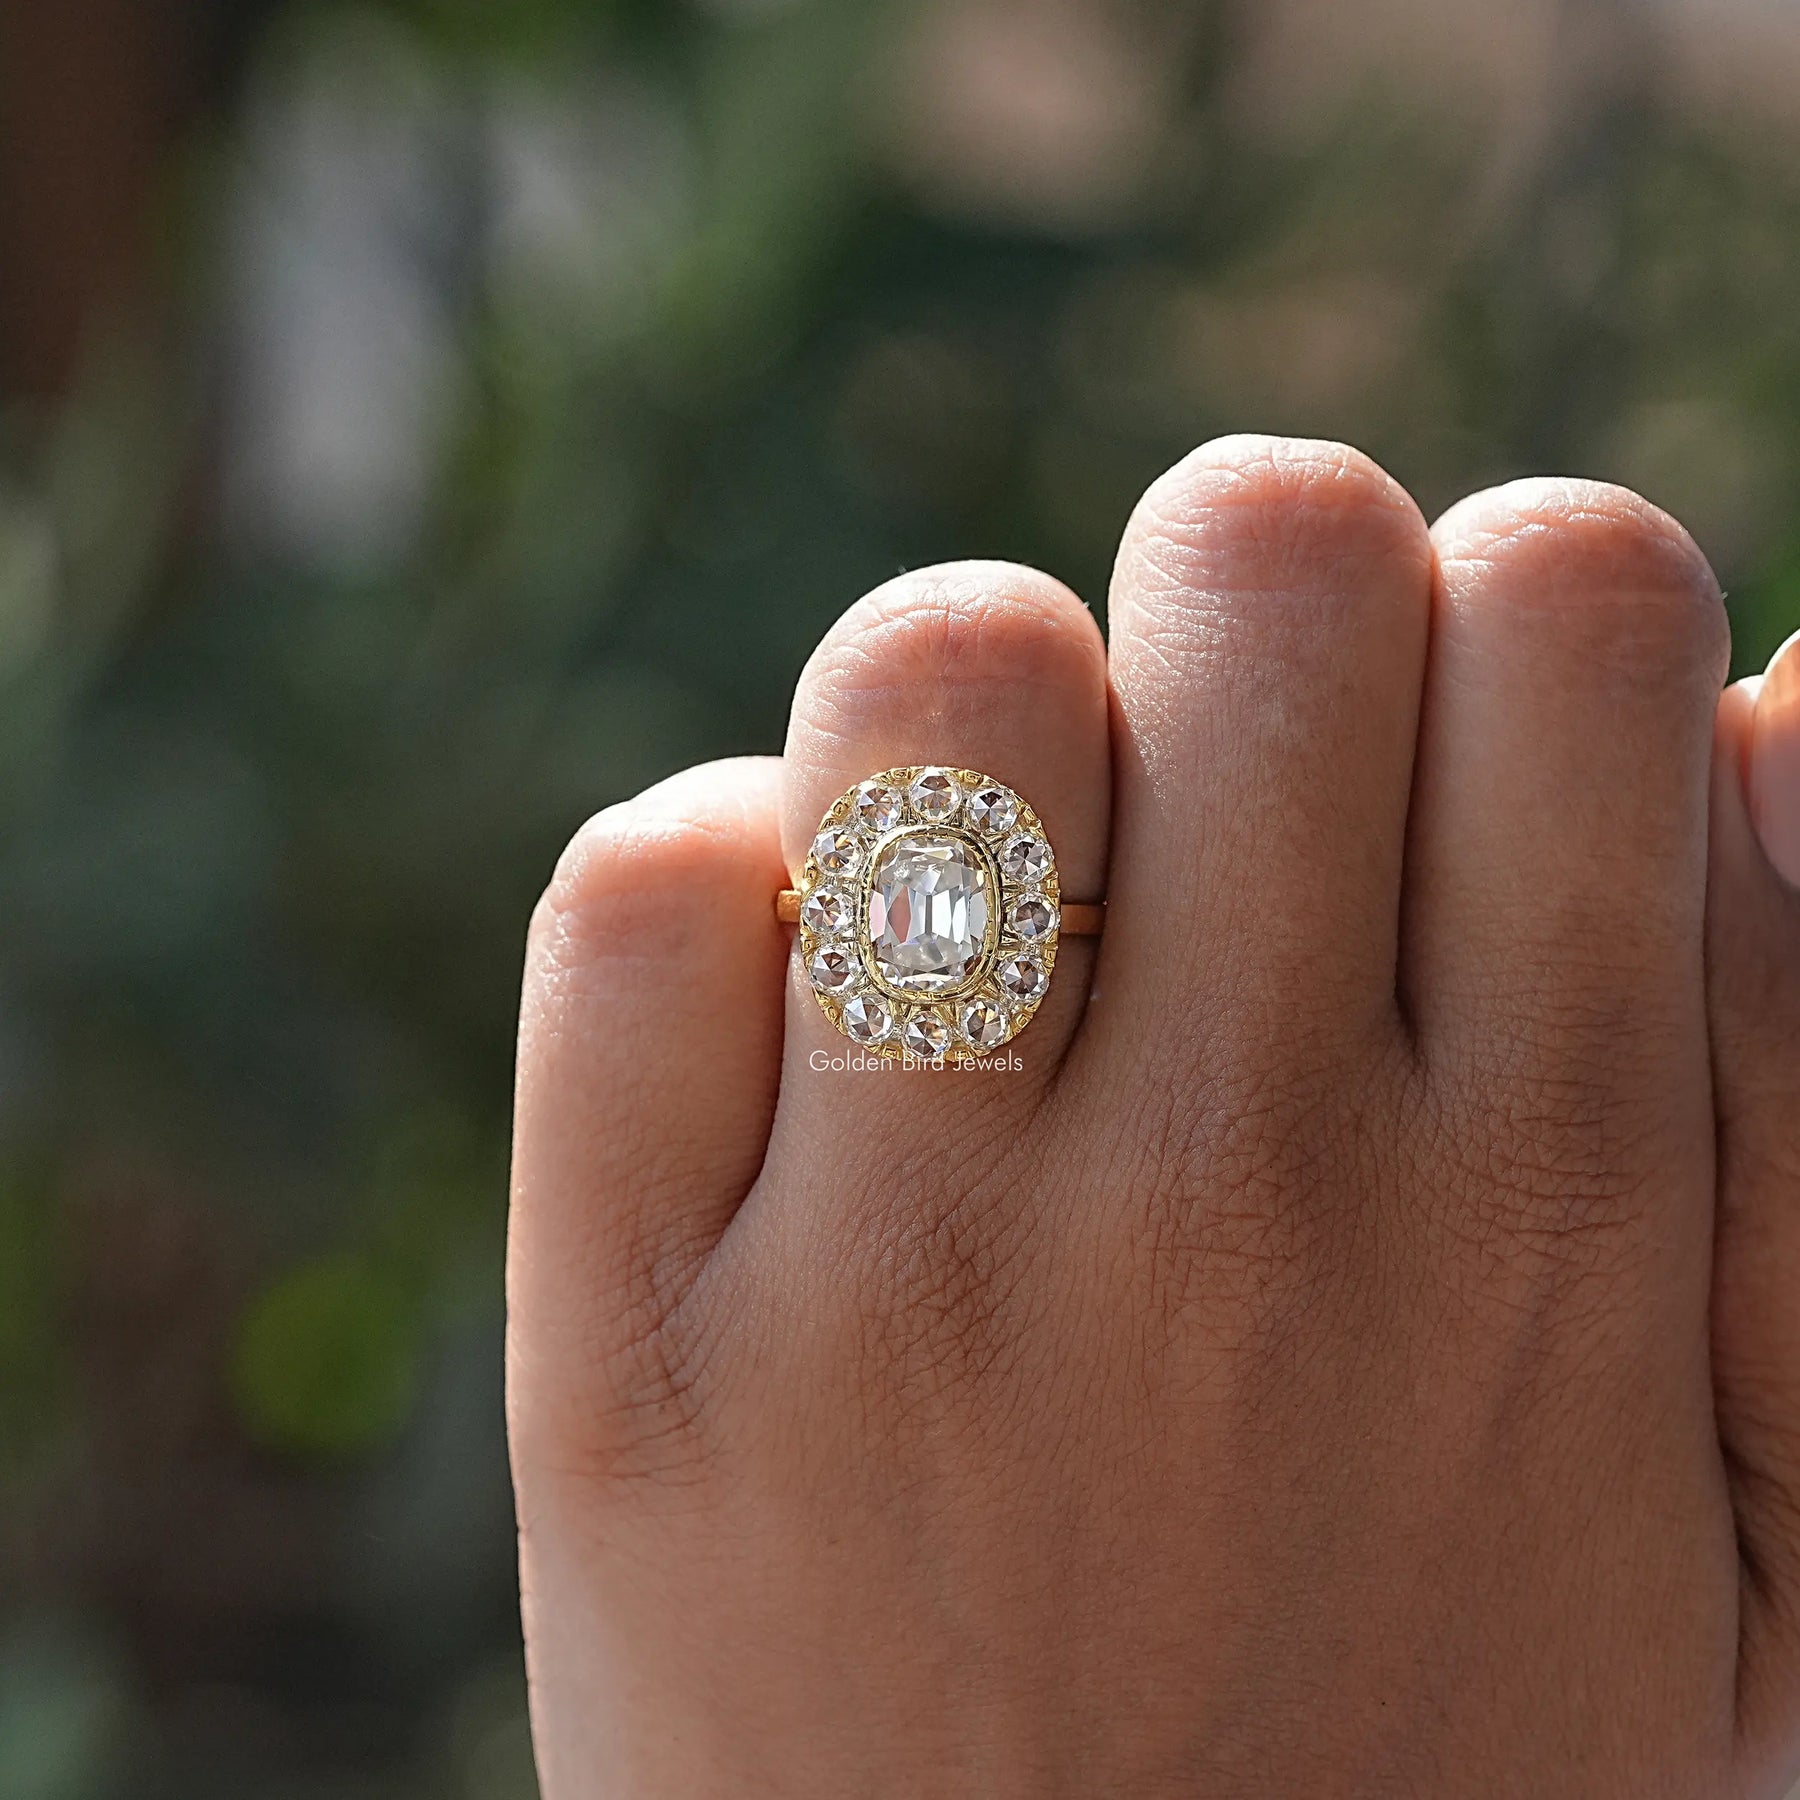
1022, 977
825, 913
1031, 918
833, 969
984, 1025
935, 795
925, 1034
879, 806
929, 903
1025, 860
837, 851
993, 810
867, 1019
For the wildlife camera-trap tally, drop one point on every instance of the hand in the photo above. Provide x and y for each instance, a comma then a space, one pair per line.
1358, 1354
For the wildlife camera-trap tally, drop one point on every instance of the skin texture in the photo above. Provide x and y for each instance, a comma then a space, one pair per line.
1355, 1356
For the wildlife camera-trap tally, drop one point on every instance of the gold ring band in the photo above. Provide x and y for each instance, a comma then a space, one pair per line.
1079, 918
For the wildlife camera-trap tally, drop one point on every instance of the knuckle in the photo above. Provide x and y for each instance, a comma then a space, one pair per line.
632, 884
1565, 543
952, 630
1276, 515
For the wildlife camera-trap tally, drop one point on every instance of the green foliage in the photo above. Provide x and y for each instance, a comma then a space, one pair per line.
1766, 611
62, 1713
327, 1358
30, 1384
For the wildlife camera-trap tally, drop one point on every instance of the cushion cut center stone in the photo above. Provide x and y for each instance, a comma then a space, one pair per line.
929, 899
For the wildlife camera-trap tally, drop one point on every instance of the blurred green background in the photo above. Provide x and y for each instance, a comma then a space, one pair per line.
422, 423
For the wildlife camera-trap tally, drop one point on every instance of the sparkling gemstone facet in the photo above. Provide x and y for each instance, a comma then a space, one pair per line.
1022, 977
929, 902
1031, 918
925, 1034
878, 805
825, 913
867, 1019
1025, 860
993, 810
833, 970
837, 851
983, 1024
935, 795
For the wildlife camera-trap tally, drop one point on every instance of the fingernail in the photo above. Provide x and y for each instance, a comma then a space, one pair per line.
1775, 761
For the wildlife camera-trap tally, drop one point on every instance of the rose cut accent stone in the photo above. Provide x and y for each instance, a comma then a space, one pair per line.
992, 810
833, 970
1025, 860
1022, 977
867, 1019
837, 852
925, 1034
826, 914
984, 1025
930, 900
935, 795
1032, 919
879, 806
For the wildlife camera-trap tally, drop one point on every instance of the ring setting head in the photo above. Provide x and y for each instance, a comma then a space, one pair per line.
929, 914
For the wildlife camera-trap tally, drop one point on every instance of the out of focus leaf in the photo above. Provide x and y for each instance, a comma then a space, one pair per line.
28, 1351
62, 1712
328, 1358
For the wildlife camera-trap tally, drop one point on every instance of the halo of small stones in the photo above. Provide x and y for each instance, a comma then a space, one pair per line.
985, 1016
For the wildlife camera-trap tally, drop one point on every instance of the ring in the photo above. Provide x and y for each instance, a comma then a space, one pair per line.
930, 912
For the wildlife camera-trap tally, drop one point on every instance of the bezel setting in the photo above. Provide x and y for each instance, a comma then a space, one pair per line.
973, 1013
